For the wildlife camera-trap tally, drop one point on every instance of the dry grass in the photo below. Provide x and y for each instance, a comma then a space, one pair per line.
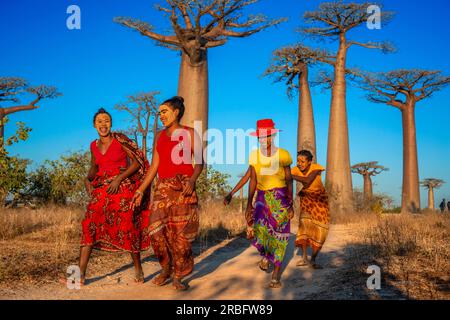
38, 245
414, 253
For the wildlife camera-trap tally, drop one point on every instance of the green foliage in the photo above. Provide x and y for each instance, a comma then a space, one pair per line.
13, 177
379, 203
212, 184
61, 181
22, 133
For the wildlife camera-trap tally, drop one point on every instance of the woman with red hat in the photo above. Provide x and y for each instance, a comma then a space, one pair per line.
268, 223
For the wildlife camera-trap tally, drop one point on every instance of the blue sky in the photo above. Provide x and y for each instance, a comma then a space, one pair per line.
104, 62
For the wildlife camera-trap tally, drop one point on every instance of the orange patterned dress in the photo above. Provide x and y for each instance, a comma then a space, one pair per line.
314, 211
109, 223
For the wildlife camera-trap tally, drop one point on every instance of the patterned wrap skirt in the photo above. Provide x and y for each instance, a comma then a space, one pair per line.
172, 225
271, 224
314, 218
109, 223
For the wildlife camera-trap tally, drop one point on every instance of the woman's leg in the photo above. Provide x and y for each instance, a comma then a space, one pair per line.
276, 276
178, 284
304, 260
264, 264
85, 253
315, 252
138, 273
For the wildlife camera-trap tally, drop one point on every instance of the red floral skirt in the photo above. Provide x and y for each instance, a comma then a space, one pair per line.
110, 224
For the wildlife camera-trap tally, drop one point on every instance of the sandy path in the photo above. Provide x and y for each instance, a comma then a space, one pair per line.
226, 271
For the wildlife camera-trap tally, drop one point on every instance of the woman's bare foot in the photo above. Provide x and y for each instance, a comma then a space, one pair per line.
139, 277
264, 264
315, 265
302, 262
275, 284
178, 285
161, 279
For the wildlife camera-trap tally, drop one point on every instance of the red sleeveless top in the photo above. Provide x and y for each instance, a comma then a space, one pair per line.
175, 154
113, 159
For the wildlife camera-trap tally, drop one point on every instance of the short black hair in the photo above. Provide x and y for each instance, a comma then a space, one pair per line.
102, 111
176, 102
305, 153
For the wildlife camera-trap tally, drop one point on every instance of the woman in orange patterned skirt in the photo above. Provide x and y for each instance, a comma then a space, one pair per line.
314, 211
172, 217
117, 168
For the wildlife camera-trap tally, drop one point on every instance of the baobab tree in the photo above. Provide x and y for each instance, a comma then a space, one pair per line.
431, 184
368, 170
197, 26
142, 107
334, 20
10, 90
291, 65
402, 89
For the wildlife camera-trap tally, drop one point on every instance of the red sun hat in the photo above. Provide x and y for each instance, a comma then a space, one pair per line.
264, 128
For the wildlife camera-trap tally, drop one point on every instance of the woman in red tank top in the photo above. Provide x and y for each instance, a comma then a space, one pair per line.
111, 223
172, 220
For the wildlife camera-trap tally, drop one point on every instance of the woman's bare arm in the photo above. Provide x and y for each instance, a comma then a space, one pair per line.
306, 181
132, 168
289, 179
151, 173
251, 193
242, 182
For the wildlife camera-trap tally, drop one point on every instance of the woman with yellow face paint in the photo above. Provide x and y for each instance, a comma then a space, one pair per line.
110, 223
314, 210
172, 217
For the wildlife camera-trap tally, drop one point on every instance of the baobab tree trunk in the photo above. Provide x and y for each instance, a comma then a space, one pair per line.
144, 145
306, 134
368, 193
338, 174
410, 188
193, 87
2, 129
241, 200
430, 198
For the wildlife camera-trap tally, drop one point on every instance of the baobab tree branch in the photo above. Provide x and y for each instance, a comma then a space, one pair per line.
384, 46
225, 9
146, 30
15, 109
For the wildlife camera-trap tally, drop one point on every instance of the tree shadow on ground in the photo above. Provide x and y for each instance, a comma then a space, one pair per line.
218, 257
341, 278
202, 243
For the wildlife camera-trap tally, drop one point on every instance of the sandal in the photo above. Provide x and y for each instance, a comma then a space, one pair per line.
275, 284
302, 262
264, 264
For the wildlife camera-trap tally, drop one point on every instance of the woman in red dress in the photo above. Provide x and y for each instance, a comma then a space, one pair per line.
173, 220
117, 169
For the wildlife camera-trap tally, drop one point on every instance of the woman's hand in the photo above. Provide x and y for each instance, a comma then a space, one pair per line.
249, 215
188, 188
250, 233
227, 199
89, 188
291, 213
137, 199
114, 186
